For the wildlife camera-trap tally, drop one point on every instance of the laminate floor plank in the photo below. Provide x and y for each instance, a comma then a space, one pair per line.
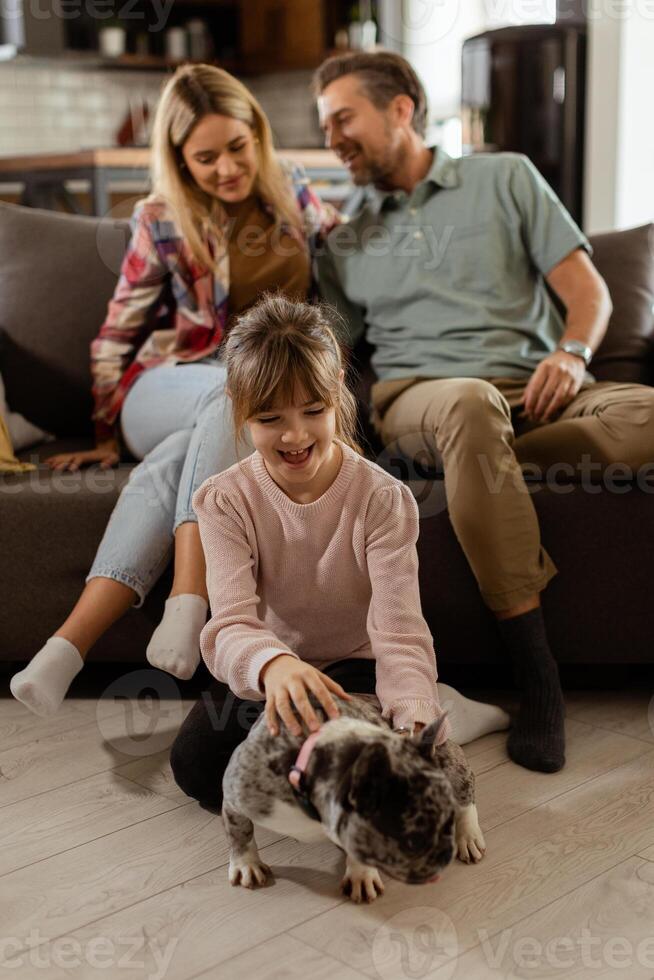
18, 725
281, 958
194, 927
154, 773
507, 790
596, 932
60, 759
109, 869
628, 712
531, 861
73, 815
65, 892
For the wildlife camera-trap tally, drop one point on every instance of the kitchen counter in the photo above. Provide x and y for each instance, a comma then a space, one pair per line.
44, 176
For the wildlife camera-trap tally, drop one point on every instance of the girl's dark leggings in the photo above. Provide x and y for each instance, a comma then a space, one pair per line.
219, 722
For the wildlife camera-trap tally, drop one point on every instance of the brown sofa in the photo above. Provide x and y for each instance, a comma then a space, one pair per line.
57, 273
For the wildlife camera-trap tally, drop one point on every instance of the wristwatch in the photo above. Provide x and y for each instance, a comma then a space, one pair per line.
578, 349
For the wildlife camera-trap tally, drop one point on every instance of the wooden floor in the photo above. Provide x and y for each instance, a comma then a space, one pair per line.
107, 869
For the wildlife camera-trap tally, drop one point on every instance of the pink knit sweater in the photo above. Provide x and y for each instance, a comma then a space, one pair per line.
324, 581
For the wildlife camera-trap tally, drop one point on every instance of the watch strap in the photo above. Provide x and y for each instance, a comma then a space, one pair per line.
577, 349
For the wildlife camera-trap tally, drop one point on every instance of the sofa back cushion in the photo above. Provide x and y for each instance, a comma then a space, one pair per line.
57, 274
626, 261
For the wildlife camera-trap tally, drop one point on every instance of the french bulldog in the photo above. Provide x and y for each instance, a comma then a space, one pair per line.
395, 804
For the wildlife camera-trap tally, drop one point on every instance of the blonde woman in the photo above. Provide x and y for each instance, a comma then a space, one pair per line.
226, 221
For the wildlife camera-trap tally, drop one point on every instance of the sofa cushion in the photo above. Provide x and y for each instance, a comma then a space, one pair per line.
598, 607
52, 524
626, 261
57, 273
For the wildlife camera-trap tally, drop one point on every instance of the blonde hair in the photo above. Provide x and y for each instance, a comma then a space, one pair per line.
193, 92
279, 348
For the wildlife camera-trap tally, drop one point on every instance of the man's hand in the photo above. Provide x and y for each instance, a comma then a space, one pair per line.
585, 296
107, 454
553, 385
287, 680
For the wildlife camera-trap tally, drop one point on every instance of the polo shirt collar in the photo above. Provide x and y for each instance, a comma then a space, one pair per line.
442, 173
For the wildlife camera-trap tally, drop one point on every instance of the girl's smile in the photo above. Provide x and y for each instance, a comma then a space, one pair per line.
297, 458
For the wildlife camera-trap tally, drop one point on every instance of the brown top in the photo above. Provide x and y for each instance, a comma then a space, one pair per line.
262, 257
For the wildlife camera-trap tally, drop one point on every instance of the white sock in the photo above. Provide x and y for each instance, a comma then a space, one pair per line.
470, 719
42, 685
175, 644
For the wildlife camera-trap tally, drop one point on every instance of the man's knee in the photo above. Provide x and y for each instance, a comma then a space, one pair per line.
627, 421
469, 413
470, 408
475, 396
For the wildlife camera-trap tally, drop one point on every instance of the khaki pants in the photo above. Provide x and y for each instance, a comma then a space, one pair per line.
475, 426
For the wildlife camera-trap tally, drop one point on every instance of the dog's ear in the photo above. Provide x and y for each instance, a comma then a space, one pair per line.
426, 739
370, 780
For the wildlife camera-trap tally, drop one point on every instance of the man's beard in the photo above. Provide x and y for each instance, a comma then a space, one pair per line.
379, 171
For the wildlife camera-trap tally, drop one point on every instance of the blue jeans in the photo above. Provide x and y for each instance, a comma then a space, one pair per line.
177, 419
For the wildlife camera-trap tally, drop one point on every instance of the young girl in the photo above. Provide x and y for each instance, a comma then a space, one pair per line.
311, 560
226, 221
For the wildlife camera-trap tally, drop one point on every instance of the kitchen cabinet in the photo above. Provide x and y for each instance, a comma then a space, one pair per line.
283, 33
247, 36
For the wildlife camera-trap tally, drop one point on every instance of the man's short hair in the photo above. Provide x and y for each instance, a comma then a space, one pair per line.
383, 75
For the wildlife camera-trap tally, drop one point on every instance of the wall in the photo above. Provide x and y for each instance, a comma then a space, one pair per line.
433, 35
619, 182
434, 32
619, 166
45, 106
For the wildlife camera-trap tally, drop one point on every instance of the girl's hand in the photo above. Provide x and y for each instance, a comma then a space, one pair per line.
289, 681
418, 727
107, 454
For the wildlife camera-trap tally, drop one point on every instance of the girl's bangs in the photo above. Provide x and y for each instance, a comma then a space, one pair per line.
290, 381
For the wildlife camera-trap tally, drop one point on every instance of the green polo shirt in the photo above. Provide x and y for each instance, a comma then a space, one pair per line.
448, 280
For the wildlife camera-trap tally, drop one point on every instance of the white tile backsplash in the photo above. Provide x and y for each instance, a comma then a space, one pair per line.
64, 108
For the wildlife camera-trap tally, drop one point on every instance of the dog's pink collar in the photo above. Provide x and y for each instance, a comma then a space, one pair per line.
297, 771
296, 777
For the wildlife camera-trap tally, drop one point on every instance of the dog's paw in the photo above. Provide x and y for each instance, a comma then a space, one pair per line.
470, 843
249, 874
361, 883
470, 848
